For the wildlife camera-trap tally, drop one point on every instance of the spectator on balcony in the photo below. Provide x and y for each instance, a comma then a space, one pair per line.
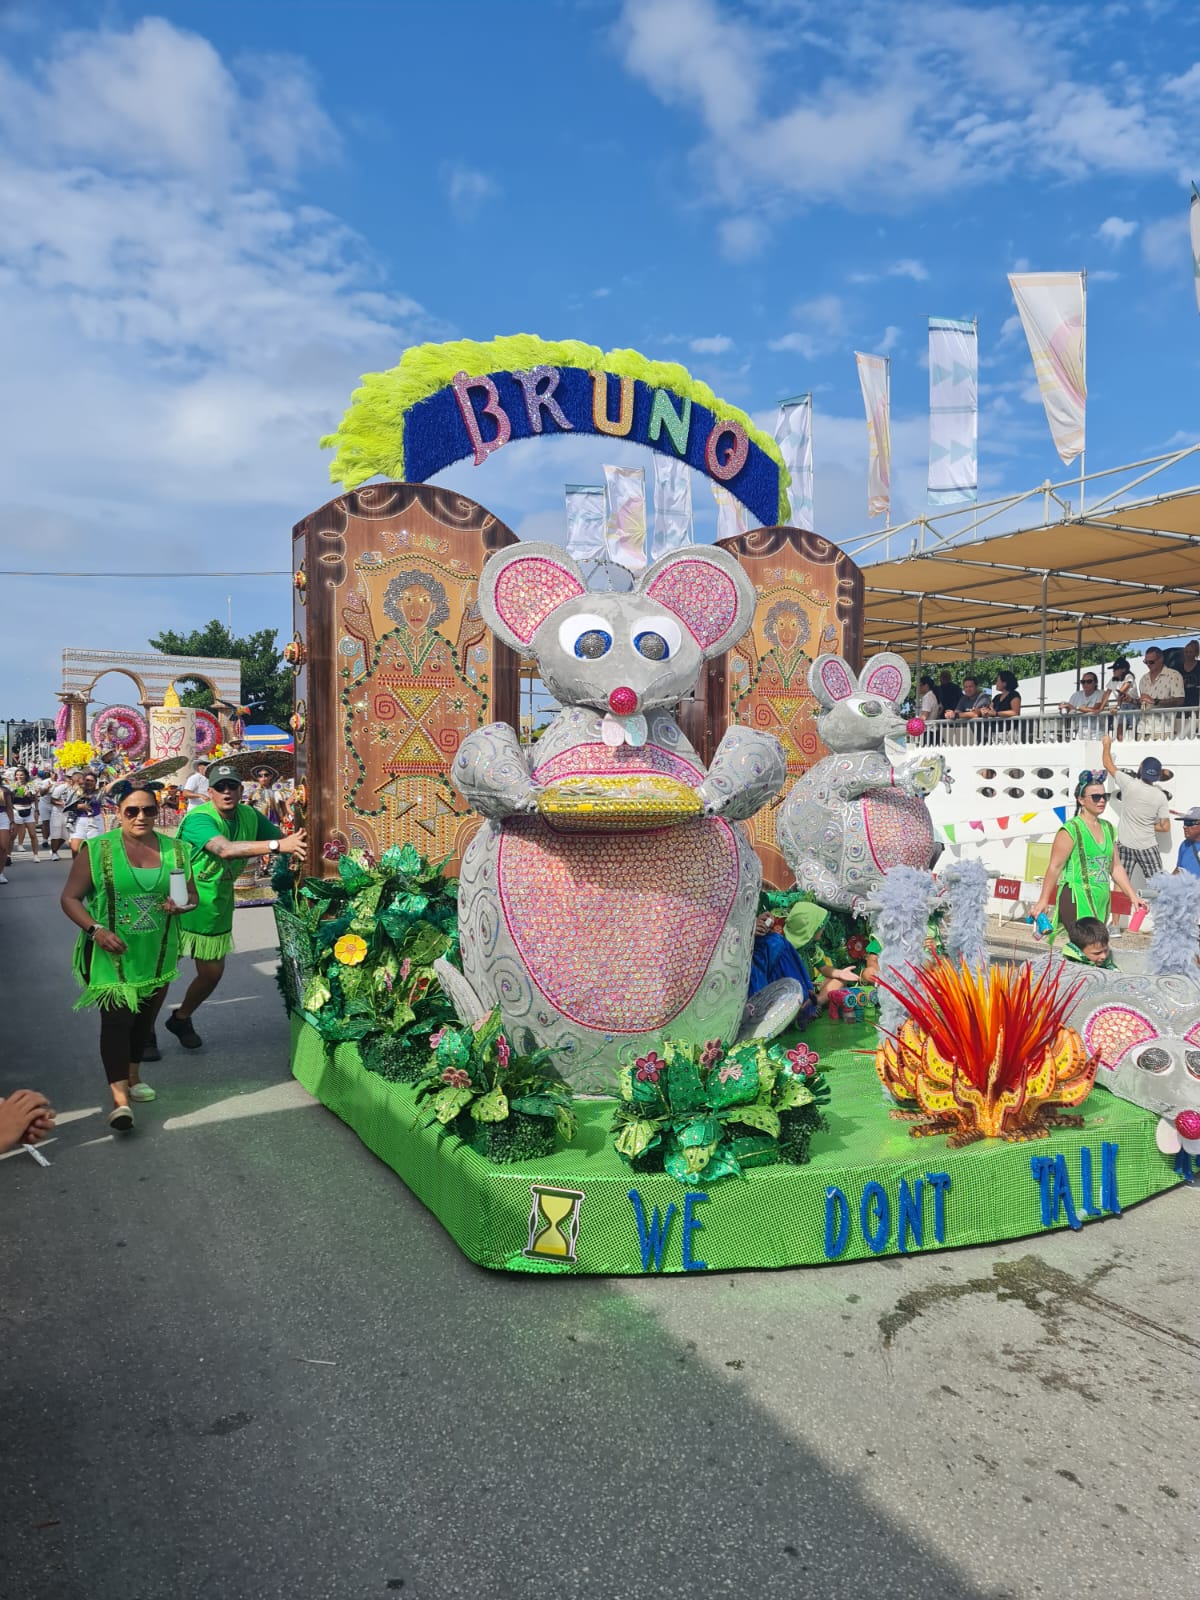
1160, 685
1189, 671
970, 701
1006, 702
1145, 814
1087, 697
948, 692
929, 706
1121, 694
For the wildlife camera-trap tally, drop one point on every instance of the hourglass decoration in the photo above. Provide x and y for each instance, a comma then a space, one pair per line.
553, 1223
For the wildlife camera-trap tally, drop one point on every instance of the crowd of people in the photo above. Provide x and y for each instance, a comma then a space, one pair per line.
1171, 679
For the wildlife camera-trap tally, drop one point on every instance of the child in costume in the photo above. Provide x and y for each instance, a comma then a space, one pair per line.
1089, 944
220, 834
118, 894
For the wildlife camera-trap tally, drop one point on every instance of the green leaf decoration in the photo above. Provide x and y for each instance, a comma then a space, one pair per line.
565, 1122
449, 1102
685, 1085
692, 1164
316, 993
410, 859
696, 1131
453, 1050
323, 889
753, 1150
636, 1137
755, 1116
535, 1105
491, 1107
353, 876
734, 1090
791, 1092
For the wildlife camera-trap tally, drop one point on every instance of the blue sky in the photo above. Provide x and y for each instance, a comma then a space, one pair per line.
218, 215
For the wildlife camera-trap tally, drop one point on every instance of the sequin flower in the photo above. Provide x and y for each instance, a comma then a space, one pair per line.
435, 1039
503, 1052
456, 1078
730, 1070
648, 1067
350, 950
856, 947
713, 1050
803, 1061
333, 849
405, 967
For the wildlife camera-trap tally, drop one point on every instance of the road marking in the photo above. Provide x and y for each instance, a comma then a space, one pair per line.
287, 1096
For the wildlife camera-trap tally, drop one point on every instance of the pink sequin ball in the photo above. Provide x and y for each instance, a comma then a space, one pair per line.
915, 726
1187, 1124
623, 702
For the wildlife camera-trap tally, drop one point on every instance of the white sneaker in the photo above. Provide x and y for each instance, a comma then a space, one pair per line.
3, 877
141, 1092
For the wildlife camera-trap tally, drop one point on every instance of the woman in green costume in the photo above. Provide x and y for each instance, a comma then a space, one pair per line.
118, 894
1082, 862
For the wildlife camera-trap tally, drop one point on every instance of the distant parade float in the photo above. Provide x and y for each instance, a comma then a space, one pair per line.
524, 974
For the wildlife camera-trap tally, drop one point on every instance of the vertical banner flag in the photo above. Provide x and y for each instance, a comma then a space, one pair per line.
1053, 307
625, 526
731, 513
793, 435
874, 374
585, 522
672, 504
953, 411
1195, 230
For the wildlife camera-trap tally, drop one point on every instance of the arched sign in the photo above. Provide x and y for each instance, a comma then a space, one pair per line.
447, 402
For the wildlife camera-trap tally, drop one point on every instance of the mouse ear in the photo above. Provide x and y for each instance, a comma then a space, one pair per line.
520, 587
886, 675
709, 592
832, 679
1111, 1031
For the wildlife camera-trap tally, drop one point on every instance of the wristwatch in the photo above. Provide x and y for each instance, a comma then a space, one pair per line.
93, 930
273, 846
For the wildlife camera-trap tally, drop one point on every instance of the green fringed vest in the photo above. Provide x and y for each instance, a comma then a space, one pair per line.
208, 929
131, 907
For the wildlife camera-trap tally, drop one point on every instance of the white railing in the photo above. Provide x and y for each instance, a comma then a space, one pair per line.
1055, 727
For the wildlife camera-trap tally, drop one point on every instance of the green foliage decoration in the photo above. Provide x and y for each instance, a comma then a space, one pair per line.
400, 915
705, 1112
267, 681
510, 1106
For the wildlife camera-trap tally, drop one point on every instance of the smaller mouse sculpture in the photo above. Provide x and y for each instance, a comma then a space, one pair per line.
862, 809
1150, 1055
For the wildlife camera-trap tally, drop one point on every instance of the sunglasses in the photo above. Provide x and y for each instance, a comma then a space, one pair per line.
1098, 796
139, 811
223, 788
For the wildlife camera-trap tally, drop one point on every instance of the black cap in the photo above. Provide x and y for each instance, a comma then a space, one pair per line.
223, 772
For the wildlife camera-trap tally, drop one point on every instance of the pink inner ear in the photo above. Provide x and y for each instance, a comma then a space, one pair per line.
835, 680
704, 598
886, 681
1192, 1036
1111, 1031
529, 589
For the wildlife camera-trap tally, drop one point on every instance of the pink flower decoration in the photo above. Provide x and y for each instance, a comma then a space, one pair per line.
648, 1067
712, 1053
503, 1053
730, 1070
456, 1078
435, 1039
405, 967
333, 850
803, 1061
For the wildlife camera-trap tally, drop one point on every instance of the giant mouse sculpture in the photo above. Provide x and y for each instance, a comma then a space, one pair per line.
596, 944
862, 809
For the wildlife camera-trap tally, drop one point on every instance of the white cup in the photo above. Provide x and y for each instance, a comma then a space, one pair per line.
179, 888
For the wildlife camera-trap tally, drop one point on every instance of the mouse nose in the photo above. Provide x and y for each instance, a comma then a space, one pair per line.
623, 702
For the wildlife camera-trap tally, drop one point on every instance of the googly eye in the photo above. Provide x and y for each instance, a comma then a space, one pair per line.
586, 636
1155, 1060
658, 640
871, 708
1192, 1058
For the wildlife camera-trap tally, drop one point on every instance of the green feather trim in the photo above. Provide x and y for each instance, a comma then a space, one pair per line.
369, 440
205, 946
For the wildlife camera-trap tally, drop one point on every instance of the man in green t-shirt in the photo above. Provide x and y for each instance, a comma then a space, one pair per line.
220, 834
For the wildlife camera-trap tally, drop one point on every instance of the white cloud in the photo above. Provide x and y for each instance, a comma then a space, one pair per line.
1010, 328
955, 94
742, 238
467, 189
892, 336
717, 345
1115, 230
822, 324
801, 344
179, 329
908, 268
1187, 85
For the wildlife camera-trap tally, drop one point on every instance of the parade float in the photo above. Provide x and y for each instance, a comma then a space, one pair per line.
519, 969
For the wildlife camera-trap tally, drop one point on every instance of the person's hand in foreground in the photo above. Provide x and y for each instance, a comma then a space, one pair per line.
25, 1117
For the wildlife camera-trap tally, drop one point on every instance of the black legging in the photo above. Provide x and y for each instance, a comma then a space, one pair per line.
123, 1034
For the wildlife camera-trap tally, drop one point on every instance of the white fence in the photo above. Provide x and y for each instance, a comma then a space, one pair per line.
1055, 727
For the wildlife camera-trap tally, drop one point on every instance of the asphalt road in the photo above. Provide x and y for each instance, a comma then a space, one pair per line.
239, 1360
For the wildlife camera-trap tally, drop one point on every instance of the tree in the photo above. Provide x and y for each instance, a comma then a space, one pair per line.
266, 681
1022, 666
